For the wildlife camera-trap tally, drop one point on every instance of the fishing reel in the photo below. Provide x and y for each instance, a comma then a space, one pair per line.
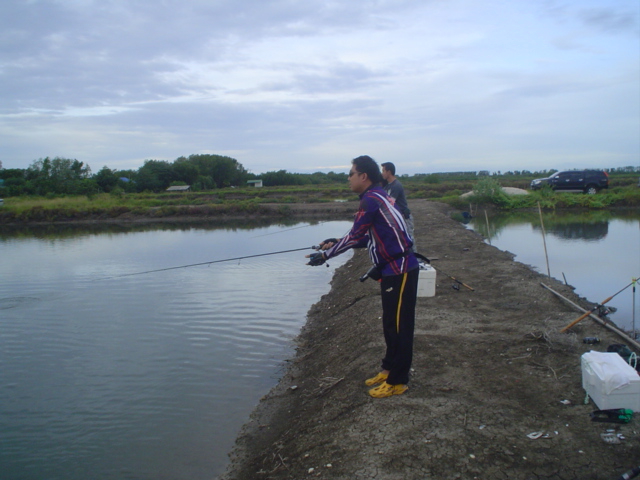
317, 259
374, 273
603, 311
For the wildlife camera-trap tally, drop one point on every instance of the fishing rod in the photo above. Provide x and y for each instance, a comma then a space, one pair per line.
315, 247
457, 281
422, 257
595, 308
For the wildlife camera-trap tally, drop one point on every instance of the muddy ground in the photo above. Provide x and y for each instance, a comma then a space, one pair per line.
490, 367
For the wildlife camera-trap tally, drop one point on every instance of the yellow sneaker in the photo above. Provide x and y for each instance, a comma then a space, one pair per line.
379, 378
386, 390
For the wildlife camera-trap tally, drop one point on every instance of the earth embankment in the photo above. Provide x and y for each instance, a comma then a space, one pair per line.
496, 389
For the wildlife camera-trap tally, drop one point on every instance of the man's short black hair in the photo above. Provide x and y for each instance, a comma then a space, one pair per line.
389, 167
366, 164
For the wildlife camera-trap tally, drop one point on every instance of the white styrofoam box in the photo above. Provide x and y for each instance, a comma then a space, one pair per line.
610, 381
426, 281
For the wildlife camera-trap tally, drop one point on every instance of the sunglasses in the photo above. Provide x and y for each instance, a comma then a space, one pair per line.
353, 172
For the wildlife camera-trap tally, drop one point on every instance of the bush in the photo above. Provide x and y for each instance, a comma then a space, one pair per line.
488, 190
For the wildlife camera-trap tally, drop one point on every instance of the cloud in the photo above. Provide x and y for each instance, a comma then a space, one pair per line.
611, 20
297, 85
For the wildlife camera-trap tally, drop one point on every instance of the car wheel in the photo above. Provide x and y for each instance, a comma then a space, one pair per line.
591, 190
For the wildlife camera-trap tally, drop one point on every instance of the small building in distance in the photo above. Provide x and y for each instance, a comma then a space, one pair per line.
179, 188
255, 183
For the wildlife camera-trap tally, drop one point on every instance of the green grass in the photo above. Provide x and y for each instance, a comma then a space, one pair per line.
242, 201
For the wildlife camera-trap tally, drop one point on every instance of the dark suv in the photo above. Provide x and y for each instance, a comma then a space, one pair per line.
587, 181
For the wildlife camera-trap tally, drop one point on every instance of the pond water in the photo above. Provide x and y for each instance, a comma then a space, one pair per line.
596, 252
147, 376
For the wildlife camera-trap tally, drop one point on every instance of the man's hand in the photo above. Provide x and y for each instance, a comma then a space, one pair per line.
328, 243
316, 259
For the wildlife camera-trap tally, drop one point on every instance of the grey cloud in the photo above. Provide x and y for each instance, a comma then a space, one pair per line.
332, 79
615, 18
60, 54
611, 20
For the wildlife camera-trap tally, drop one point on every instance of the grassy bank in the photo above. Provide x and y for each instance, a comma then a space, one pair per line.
253, 201
106, 206
489, 192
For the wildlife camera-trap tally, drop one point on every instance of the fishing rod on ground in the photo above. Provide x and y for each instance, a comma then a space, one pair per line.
457, 282
582, 317
314, 247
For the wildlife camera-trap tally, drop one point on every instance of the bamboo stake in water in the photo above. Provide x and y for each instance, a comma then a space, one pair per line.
633, 308
544, 241
486, 217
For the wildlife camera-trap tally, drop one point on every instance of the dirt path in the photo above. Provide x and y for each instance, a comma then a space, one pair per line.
490, 367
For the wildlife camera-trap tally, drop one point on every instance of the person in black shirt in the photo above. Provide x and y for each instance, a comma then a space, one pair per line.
395, 190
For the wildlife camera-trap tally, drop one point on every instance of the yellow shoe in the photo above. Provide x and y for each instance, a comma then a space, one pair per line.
379, 378
386, 390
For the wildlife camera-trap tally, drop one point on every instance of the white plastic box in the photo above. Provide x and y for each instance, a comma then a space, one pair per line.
610, 381
427, 281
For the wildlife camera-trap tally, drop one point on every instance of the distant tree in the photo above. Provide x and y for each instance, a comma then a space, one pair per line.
106, 179
155, 175
433, 179
224, 171
281, 177
204, 182
12, 173
58, 176
14, 182
333, 177
186, 171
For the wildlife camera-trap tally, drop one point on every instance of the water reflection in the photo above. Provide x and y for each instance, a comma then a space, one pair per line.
576, 231
591, 225
79, 230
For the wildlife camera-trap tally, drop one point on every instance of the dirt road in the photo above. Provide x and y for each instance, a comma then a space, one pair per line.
490, 368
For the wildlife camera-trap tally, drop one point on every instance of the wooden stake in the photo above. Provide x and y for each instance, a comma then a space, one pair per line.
544, 240
486, 217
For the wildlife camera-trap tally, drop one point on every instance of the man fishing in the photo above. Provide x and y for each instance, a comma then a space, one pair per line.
380, 227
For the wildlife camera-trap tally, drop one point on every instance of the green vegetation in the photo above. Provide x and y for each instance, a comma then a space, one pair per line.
489, 192
62, 176
63, 189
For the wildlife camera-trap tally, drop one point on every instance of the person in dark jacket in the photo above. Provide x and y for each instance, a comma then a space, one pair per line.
381, 228
394, 188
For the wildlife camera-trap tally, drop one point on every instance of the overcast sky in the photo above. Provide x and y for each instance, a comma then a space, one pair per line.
307, 85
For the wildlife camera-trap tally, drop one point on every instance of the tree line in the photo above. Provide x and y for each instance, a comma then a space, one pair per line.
63, 176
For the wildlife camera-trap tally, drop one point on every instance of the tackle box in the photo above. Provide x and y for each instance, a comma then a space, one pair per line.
610, 381
426, 281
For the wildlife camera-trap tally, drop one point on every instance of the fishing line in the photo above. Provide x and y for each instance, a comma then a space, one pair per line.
215, 261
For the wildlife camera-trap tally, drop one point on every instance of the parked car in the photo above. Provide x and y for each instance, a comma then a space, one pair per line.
587, 181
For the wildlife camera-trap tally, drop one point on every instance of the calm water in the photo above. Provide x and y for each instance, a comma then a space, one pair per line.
150, 376
597, 252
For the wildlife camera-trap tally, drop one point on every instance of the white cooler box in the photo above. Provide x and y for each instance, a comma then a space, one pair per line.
610, 381
427, 281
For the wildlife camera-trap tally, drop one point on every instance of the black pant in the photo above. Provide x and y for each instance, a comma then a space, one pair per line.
398, 320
